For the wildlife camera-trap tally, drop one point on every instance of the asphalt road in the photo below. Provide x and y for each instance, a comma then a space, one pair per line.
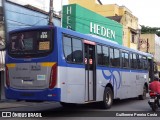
52, 110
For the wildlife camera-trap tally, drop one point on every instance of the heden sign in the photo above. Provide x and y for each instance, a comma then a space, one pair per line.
102, 31
85, 21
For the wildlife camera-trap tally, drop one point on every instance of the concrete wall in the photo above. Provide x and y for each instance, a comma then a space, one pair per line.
157, 50
151, 41
153, 47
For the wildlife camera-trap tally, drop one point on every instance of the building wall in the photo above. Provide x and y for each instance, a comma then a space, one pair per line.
153, 46
107, 10
151, 43
89, 4
80, 19
128, 20
17, 16
157, 49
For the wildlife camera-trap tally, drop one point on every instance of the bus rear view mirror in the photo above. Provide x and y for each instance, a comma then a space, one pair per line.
2, 45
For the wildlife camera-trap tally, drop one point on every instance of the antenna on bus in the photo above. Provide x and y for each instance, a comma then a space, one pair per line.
51, 13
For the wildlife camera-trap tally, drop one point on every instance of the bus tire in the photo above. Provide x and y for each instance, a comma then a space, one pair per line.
143, 96
107, 98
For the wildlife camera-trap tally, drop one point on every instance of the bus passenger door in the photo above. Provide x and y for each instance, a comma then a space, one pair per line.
90, 72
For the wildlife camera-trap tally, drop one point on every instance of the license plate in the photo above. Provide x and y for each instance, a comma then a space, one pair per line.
151, 100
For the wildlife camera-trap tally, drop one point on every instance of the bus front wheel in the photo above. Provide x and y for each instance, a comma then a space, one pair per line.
107, 98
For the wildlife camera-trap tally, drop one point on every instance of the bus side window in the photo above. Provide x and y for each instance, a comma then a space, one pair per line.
73, 50
99, 55
77, 51
114, 57
135, 61
131, 60
140, 62
67, 48
145, 63
105, 56
111, 57
125, 60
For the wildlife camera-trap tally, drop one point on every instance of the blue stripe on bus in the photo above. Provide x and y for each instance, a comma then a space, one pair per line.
65, 64
123, 70
39, 95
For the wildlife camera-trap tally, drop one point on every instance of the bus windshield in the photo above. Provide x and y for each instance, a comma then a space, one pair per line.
30, 43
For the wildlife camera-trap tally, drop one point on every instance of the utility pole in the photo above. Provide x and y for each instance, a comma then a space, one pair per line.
138, 42
100, 2
147, 46
51, 13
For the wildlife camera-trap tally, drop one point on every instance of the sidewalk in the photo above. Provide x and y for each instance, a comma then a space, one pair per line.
6, 104
10, 104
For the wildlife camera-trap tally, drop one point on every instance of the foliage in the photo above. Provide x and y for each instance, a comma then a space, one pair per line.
152, 30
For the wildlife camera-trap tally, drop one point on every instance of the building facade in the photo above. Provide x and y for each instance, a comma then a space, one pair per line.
80, 19
20, 16
120, 14
151, 43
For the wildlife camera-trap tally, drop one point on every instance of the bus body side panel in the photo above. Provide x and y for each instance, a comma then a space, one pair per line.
71, 77
72, 84
105, 76
132, 83
125, 83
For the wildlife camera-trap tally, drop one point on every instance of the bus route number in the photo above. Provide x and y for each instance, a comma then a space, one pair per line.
43, 35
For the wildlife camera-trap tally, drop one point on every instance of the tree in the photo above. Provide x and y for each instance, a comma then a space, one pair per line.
152, 30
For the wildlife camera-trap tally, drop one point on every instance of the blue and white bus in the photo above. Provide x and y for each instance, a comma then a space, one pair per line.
50, 63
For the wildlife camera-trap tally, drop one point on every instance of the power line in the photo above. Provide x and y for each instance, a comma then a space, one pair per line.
66, 14
19, 22
82, 18
25, 14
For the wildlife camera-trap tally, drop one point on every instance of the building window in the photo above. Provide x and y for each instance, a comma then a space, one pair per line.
133, 38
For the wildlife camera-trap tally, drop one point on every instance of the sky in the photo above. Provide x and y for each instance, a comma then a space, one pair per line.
147, 11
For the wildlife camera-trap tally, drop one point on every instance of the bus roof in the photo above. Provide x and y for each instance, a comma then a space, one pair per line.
93, 38
101, 40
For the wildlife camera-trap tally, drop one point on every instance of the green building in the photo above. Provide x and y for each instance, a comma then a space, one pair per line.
86, 21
